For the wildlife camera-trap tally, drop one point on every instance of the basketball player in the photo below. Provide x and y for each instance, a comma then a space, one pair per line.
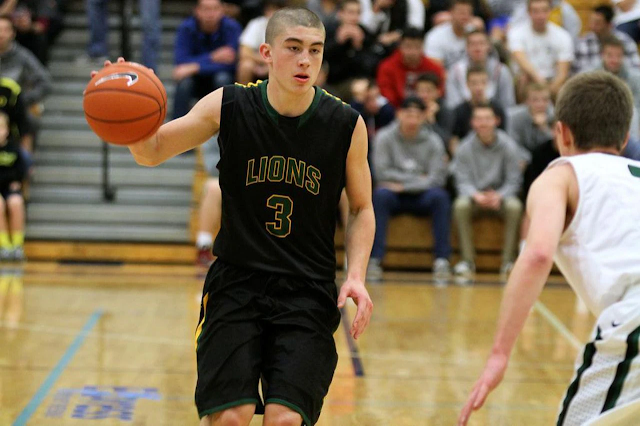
584, 210
270, 305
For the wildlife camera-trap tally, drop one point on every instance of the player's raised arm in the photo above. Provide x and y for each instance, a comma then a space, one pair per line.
360, 228
546, 207
182, 134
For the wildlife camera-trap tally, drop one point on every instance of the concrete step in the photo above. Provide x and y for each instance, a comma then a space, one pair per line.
80, 21
70, 53
80, 37
179, 8
108, 232
73, 103
161, 176
71, 194
107, 213
118, 157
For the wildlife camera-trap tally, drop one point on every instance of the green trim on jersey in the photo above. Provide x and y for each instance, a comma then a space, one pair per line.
274, 115
622, 371
635, 171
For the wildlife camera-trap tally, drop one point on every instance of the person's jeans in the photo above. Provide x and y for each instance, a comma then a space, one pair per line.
196, 87
98, 28
97, 14
434, 202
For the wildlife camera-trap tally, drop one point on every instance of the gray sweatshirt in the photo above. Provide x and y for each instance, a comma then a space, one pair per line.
20, 65
525, 133
478, 167
418, 164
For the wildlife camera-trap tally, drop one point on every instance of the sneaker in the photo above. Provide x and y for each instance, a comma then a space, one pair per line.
441, 269
374, 270
6, 255
505, 269
464, 272
18, 254
205, 257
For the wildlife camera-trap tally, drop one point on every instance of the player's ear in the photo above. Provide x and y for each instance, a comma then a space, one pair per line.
265, 52
564, 137
626, 141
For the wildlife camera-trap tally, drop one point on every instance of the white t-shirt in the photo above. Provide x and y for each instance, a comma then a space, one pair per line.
443, 44
253, 34
599, 253
543, 50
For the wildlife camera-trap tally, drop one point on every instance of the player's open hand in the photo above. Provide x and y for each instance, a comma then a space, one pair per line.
357, 291
490, 378
106, 64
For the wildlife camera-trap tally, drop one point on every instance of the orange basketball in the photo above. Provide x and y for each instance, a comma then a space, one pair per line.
125, 103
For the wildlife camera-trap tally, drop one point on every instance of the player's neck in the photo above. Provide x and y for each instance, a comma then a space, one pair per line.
289, 104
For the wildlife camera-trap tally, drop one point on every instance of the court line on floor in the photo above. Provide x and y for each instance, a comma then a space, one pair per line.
557, 324
51, 379
356, 361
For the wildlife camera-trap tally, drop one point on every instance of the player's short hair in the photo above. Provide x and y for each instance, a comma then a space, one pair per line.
291, 17
476, 69
429, 77
606, 11
597, 107
611, 41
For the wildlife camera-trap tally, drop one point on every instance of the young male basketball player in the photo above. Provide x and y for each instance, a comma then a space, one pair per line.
270, 306
584, 211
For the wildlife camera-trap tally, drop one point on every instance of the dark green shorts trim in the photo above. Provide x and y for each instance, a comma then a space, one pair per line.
228, 405
294, 407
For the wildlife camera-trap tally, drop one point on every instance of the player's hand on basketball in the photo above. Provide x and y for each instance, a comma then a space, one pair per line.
490, 378
357, 291
106, 64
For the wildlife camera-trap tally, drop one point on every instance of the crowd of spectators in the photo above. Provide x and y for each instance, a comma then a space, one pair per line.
457, 96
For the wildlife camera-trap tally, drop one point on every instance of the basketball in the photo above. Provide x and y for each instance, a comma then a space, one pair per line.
125, 103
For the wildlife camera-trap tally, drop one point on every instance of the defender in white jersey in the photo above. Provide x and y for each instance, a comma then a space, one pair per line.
585, 213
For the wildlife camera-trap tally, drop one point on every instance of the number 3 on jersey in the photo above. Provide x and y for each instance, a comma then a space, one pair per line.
283, 206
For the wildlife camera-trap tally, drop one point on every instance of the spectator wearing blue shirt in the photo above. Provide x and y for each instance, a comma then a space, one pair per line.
205, 54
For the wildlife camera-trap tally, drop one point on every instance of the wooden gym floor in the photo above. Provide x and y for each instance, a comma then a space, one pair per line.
111, 345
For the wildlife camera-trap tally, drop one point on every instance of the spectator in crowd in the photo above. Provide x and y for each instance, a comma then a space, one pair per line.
588, 47
477, 81
627, 17
349, 48
542, 50
488, 179
205, 54
437, 116
532, 125
209, 215
12, 215
251, 65
438, 12
410, 165
98, 48
325, 9
12, 104
392, 16
31, 32
446, 43
375, 109
397, 74
500, 84
613, 62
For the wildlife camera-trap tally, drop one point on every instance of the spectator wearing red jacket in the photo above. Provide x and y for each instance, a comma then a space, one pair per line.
398, 74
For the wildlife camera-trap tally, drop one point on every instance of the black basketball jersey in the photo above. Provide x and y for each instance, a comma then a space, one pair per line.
281, 180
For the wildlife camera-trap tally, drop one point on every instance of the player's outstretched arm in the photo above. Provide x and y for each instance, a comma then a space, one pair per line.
360, 229
182, 134
546, 208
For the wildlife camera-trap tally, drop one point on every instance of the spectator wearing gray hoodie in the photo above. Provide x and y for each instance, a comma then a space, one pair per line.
500, 87
411, 169
488, 178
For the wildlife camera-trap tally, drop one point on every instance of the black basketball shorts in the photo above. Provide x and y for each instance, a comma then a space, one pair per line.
258, 325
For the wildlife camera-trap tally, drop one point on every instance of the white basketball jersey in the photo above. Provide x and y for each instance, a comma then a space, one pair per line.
599, 253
